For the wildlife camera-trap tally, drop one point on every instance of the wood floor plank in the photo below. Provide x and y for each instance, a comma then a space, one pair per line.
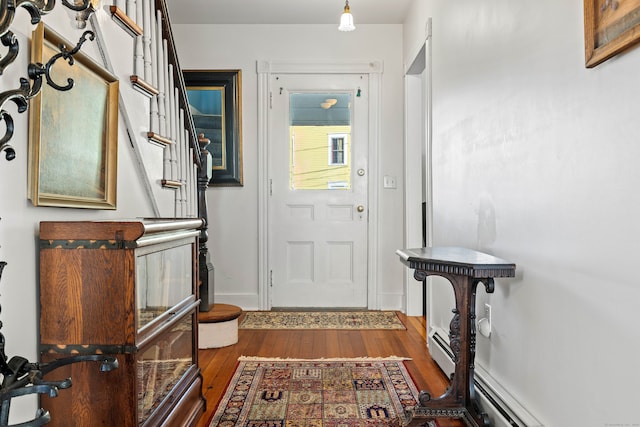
218, 365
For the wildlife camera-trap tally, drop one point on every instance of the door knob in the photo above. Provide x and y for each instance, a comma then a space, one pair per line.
360, 208
360, 172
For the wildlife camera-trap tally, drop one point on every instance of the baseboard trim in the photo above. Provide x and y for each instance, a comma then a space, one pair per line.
248, 302
501, 407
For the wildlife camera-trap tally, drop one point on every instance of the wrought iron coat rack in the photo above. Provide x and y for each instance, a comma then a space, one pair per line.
20, 377
26, 91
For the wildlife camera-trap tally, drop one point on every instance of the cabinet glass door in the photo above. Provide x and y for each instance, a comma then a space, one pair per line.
163, 280
162, 364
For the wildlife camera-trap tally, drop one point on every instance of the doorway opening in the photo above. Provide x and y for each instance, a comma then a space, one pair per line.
418, 184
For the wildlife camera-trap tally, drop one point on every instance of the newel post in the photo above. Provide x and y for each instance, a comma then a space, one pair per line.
206, 272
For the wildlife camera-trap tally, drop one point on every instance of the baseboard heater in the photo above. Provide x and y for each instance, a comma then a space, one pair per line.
500, 406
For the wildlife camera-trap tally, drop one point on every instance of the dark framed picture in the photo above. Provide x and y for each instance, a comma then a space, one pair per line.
215, 101
610, 27
73, 135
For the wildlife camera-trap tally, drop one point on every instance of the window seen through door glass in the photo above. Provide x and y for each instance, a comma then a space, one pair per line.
320, 141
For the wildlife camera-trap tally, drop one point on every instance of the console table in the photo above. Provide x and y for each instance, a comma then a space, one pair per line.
464, 269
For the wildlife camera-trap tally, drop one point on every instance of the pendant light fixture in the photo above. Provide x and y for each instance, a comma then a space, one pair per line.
346, 20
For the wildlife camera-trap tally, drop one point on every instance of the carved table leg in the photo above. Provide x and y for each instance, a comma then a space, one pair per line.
459, 399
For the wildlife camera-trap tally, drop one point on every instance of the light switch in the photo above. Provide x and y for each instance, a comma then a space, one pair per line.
389, 181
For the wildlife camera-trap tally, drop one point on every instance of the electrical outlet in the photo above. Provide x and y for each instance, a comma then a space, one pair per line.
487, 312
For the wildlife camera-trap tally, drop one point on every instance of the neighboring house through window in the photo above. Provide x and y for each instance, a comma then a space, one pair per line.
337, 149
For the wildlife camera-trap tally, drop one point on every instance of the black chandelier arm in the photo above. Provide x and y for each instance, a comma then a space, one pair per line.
42, 416
25, 391
10, 153
9, 40
7, 12
49, 5
35, 72
19, 372
20, 97
36, 380
22, 378
17, 376
108, 363
77, 7
36, 8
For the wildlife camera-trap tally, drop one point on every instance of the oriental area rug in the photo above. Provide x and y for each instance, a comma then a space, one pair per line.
321, 320
363, 392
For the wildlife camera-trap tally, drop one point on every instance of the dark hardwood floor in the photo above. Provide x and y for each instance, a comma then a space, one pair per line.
218, 365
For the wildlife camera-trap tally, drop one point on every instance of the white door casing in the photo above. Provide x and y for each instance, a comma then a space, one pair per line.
265, 71
318, 234
418, 181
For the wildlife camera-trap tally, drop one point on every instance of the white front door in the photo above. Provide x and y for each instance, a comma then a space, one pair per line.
318, 212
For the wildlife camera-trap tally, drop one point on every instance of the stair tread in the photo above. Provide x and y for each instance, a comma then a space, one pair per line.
220, 313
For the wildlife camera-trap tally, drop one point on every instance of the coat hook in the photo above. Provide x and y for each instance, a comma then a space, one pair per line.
37, 70
26, 91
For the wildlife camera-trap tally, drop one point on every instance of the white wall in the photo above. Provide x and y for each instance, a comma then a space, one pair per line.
233, 212
535, 161
19, 220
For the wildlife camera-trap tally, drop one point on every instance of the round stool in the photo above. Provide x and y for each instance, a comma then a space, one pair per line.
218, 327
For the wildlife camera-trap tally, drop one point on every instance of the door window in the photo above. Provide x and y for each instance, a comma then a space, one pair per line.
315, 119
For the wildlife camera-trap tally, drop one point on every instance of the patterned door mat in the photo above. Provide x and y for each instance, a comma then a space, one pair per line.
364, 392
321, 320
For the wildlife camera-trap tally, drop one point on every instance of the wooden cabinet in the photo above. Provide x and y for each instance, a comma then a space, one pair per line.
127, 289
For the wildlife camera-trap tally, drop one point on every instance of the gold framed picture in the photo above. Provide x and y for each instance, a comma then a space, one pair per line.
610, 27
73, 135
